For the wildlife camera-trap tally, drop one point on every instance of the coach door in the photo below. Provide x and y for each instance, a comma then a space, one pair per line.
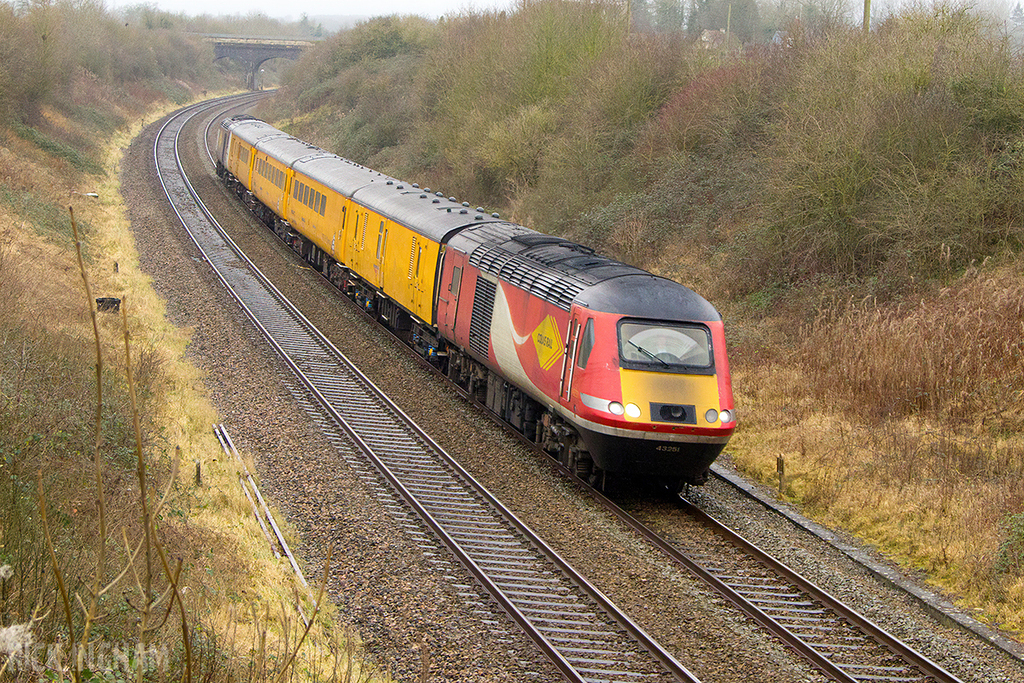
378, 264
225, 137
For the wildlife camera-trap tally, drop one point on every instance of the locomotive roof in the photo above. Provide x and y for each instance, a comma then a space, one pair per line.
561, 272
645, 295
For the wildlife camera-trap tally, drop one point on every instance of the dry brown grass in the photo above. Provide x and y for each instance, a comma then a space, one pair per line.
902, 424
238, 599
956, 357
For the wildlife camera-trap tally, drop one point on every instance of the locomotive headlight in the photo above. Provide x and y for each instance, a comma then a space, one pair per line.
711, 416
632, 410
615, 408
727, 416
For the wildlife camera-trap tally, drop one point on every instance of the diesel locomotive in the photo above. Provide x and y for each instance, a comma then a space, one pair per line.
616, 372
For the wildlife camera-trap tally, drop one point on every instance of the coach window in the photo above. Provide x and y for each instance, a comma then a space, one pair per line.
586, 345
380, 238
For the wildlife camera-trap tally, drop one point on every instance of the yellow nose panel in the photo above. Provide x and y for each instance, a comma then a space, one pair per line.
643, 388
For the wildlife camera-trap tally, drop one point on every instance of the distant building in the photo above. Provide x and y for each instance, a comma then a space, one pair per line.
712, 40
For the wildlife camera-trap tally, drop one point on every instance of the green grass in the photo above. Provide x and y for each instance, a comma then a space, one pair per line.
45, 217
60, 150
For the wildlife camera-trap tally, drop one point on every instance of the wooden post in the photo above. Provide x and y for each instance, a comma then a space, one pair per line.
780, 467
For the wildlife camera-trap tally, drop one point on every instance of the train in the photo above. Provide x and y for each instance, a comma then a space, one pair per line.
618, 373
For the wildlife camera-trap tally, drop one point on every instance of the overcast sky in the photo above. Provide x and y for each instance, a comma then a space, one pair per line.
296, 8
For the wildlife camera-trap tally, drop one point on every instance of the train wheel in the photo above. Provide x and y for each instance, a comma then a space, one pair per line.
584, 465
578, 461
674, 486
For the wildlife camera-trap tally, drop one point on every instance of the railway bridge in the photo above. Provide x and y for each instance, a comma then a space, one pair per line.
253, 52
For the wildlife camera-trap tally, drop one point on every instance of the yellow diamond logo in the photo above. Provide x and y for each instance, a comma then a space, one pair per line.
548, 342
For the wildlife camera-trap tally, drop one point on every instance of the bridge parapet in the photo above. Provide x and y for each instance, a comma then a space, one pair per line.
255, 51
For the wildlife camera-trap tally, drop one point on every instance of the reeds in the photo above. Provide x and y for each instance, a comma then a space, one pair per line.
952, 358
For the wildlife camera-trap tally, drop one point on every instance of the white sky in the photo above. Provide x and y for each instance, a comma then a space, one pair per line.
294, 9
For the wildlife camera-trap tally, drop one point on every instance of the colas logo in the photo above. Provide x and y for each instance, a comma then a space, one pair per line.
548, 342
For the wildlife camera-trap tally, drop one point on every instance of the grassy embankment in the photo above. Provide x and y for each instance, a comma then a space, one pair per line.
95, 549
852, 204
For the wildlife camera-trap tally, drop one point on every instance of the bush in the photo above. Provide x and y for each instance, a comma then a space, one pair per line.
1010, 559
922, 161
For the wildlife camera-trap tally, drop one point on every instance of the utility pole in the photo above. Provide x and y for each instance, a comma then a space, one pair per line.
867, 15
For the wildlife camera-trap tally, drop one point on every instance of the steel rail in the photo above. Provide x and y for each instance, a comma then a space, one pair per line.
929, 671
904, 651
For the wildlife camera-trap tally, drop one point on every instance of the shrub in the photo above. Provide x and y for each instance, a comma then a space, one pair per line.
1010, 559
923, 158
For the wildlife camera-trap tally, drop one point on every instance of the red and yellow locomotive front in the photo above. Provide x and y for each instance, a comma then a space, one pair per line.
638, 365
633, 363
651, 397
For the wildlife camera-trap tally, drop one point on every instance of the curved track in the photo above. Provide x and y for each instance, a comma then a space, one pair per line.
832, 636
579, 629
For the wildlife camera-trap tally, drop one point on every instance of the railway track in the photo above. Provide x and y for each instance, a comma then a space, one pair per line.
582, 632
829, 634
832, 636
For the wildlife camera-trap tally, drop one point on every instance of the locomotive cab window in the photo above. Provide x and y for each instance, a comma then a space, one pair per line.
666, 346
586, 345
